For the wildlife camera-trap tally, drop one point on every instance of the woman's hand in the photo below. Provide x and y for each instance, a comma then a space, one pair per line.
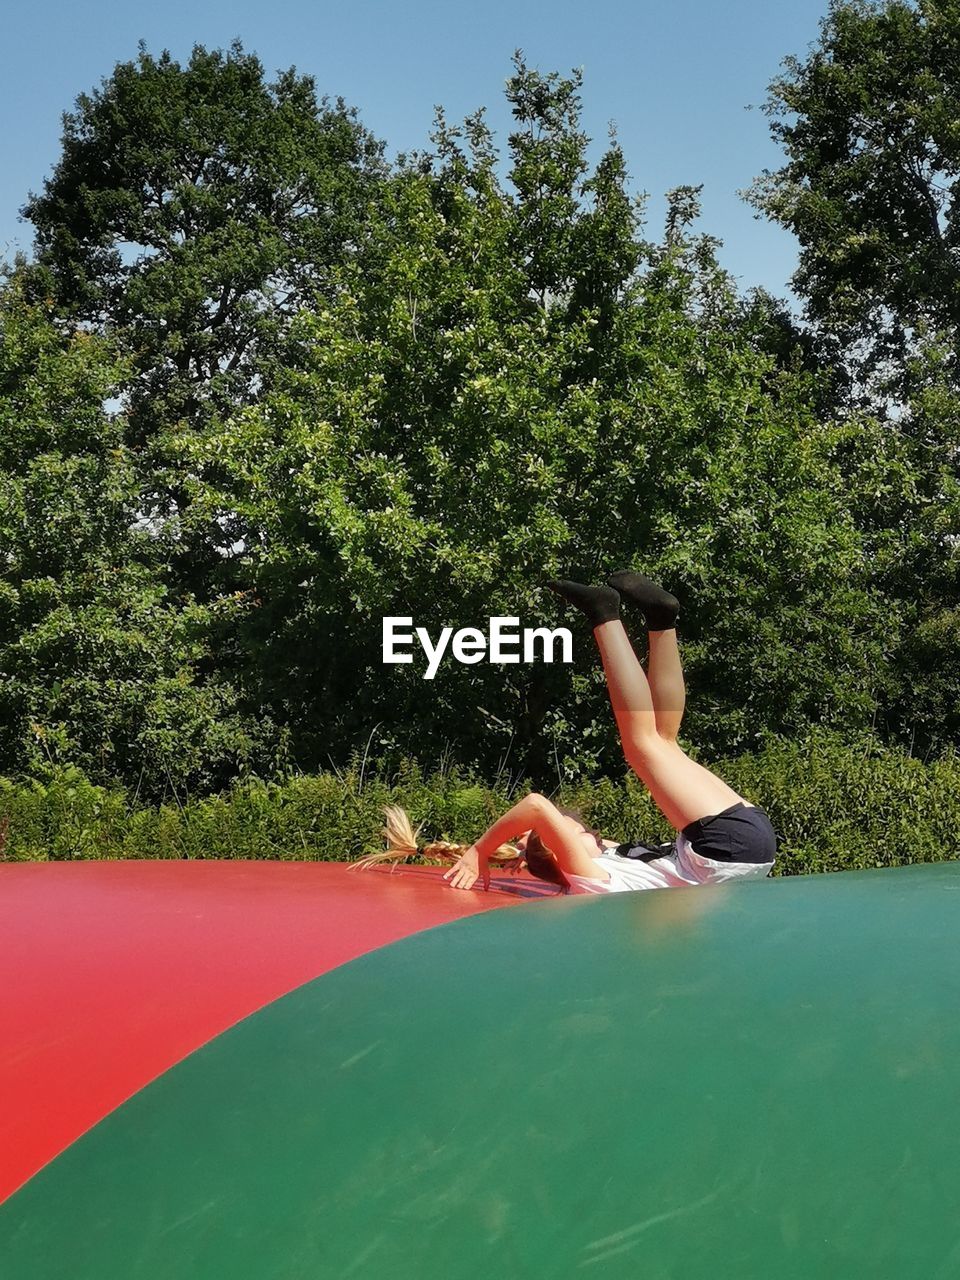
469, 868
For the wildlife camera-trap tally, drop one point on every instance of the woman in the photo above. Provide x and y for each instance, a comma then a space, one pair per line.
720, 835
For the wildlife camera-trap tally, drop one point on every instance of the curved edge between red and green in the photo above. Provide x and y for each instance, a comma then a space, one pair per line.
111, 972
720, 1082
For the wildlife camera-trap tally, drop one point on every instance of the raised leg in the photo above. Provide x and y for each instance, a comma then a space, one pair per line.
683, 790
562, 836
665, 677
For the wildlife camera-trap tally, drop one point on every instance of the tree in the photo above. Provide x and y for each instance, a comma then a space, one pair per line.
194, 210
500, 380
870, 125
490, 406
102, 665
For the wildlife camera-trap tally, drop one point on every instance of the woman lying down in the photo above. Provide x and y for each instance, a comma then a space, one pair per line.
720, 835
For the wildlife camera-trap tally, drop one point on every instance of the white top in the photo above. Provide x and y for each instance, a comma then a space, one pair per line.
675, 870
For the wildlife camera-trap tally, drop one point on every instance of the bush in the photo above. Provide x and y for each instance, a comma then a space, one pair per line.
835, 806
329, 817
840, 806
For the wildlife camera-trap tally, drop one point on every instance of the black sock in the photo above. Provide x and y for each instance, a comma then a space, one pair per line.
659, 607
600, 604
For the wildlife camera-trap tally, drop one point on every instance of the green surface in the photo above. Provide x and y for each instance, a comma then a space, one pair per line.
754, 1082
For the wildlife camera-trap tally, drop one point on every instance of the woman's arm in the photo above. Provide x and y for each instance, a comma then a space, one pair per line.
534, 812
473, 863
519, 820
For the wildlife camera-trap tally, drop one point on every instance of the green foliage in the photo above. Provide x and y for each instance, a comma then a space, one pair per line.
836, 807
869, 124
196, 208
340, 393
193, 207
327, 817
842, 805
492, 405
100, 666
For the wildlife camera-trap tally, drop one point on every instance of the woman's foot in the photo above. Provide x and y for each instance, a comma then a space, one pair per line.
659, 607
600, 604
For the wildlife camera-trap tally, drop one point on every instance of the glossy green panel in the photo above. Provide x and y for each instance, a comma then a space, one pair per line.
761, 1081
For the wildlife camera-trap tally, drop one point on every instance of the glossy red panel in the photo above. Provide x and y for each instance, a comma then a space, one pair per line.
110, 972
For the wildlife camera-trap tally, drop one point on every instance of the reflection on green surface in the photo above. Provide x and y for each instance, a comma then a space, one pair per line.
759, 1081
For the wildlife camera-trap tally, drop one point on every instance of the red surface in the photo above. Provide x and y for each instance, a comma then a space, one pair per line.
110, 972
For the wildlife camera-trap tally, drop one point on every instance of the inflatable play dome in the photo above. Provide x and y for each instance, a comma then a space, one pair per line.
291, 1071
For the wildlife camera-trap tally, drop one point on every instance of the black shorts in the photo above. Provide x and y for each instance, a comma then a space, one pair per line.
742, 833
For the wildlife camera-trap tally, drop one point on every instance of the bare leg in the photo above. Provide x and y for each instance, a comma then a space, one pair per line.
684, 790
665, 677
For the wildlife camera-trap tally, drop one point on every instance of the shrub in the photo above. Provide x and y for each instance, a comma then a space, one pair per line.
835, 805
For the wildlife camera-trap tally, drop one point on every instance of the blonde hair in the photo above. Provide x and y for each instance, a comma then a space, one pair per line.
402, 845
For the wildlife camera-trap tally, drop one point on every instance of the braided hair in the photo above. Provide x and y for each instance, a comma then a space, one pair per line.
402, 845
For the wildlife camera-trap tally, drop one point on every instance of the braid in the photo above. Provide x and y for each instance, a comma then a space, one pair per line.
401, 841
444, 849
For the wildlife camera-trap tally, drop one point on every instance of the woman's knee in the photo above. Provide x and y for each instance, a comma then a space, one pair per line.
669, 735
643, 744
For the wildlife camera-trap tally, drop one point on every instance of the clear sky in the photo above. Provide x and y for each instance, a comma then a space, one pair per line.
676, 76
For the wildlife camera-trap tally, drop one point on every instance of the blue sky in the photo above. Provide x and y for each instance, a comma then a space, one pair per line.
676, 77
